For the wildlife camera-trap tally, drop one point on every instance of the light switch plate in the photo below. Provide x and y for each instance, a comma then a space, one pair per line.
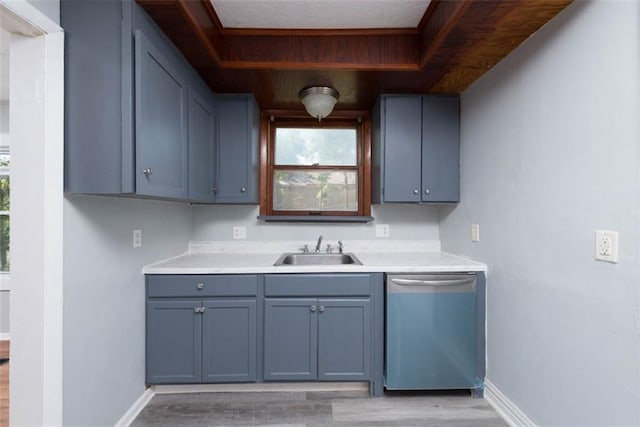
607, 246
475, 232
239, 232
137, 238
382, 230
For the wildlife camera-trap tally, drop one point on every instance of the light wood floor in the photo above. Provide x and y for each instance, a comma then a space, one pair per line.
4, 385
318, 409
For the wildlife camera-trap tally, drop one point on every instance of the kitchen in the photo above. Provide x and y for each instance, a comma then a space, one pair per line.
562, 329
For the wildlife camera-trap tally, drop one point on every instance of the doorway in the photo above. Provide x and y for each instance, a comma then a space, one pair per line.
35, 106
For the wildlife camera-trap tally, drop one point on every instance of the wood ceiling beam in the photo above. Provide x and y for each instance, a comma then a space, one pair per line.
440, 18
499, 27
311, 50
192, 25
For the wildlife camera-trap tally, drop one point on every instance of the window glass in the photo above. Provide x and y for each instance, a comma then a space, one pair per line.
308, 190
4, 209
310, 146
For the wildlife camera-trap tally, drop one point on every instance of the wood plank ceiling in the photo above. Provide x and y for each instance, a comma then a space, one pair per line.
455, 43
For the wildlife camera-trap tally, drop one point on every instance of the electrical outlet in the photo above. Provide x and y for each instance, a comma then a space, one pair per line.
475, 232
607, 246
239, 232
382, 230
137, 238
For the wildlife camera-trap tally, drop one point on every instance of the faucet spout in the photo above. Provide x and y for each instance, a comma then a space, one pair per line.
319, 243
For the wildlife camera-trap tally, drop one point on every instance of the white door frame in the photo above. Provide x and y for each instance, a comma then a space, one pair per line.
36, 117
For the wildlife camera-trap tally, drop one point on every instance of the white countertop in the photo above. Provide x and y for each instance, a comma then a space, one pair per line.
259, 257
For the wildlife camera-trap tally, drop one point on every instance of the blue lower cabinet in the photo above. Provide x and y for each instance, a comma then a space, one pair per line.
275, 327
202, 329
229, 341
317, 339
344, 339
174, 345
290, 339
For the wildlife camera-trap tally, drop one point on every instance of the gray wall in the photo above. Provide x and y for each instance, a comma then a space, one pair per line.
4, 312
550, 153
104, 299
50, 8
413, 222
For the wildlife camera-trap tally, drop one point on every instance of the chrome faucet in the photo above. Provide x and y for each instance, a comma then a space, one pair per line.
340, 246
319, 243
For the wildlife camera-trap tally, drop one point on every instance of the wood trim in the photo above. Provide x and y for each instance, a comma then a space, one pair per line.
204, 23
265, 200
443, 16
366, 166
309, 52
362, 168
302, 114
456, 42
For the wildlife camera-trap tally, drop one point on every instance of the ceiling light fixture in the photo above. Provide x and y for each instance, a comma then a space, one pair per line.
319, 100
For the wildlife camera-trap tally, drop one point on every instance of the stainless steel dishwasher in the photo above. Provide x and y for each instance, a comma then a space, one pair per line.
431, 332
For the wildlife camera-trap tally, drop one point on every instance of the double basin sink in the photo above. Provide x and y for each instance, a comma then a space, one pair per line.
317, 259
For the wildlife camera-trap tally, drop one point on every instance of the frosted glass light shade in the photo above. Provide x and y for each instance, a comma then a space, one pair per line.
319, 100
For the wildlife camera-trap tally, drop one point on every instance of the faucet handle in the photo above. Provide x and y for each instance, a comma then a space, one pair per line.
340, 246
329, 248
305, 249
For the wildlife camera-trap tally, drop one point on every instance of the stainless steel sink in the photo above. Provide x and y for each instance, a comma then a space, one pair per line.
317, 259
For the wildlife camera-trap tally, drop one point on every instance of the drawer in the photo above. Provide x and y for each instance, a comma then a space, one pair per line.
201, 285
317, 285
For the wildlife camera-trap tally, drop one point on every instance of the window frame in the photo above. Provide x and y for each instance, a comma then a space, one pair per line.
6, 171
347, 120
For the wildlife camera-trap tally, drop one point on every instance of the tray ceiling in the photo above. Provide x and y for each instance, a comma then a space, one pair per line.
315, 14
275, 48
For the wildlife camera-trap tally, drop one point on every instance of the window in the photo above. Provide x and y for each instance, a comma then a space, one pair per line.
4, 209
315, 169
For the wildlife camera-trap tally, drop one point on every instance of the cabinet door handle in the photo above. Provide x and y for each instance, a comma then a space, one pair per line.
147, 171
427, 191
312, 308
215, 190
196, 309
200, 286
243, 190
415, 192
321, 309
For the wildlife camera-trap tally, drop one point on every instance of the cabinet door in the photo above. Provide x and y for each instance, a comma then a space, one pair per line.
440, 149
344, 339
402, 148
202, 146
290, 339
237, 150
174, 344
161, 123
229, 341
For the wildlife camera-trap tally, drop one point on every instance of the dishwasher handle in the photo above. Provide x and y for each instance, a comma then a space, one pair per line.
431, 285
439, 282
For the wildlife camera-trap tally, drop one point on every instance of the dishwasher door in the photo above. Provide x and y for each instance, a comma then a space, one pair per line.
431, 332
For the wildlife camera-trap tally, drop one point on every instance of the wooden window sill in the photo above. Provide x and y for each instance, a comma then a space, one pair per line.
315, 218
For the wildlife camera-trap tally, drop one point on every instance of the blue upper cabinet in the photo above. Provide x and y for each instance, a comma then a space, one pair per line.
440, 149
415, 149
138, 118
202, 147
161, 123
238, 137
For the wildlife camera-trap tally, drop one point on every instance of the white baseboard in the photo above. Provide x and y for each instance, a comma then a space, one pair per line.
136, 408
505, 407
5, 336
